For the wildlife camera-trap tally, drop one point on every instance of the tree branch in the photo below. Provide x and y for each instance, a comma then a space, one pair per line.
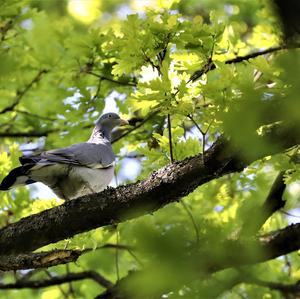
33, 115
147, 118
166, 185
115, 205
27, 134
111, 80
52, 258
273, 203
209, 66
136, 122
21, 93
38, 260
170, 138
284, 288
35, 284
235, 255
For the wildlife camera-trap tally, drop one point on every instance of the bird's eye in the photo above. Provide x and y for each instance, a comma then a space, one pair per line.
109, 115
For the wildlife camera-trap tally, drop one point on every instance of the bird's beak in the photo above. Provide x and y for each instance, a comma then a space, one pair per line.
123, 122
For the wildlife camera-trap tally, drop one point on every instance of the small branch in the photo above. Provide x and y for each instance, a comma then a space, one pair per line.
50, 258
5, 28
256, 54
170, 139
71, 289
203, 133
289, 214
147, 118
29, 274
38, 260
132, 156
98, 90
195, 123
36, 284
284, 288
48, 273
27, 134
154, 66
193, 221
47, 132
20, 94
209, 66
110, 245
117, 255
110, 79
34, 115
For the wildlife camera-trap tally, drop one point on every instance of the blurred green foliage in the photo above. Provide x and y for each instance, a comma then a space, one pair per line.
60, 62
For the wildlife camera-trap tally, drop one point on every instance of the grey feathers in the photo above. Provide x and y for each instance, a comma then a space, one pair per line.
73, 171
91, 155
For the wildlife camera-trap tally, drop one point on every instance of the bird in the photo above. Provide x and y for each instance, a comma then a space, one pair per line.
74, 171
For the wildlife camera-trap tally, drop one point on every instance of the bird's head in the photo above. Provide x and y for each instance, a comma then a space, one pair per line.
110, 120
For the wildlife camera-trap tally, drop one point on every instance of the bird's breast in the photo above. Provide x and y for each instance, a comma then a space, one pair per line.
90, 179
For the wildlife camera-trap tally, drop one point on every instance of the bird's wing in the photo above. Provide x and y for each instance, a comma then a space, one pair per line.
82, 154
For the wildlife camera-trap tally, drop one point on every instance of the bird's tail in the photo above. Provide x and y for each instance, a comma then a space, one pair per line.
16, 177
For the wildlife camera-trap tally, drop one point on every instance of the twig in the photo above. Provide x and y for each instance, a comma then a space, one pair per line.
5, 28
48, 273
116, 177
170, 139
195, 123
117, 255
119, 246
193, 221
130, 251
110, 79
203, 133
34, 115
133, 156
71, 289
289, 214
98, 90
154, 66
30, 273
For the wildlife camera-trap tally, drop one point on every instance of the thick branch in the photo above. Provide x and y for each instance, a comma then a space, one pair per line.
166, 185
22, 284
288, 12
114, 205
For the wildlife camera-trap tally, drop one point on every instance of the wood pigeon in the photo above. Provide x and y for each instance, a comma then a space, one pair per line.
74, 171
